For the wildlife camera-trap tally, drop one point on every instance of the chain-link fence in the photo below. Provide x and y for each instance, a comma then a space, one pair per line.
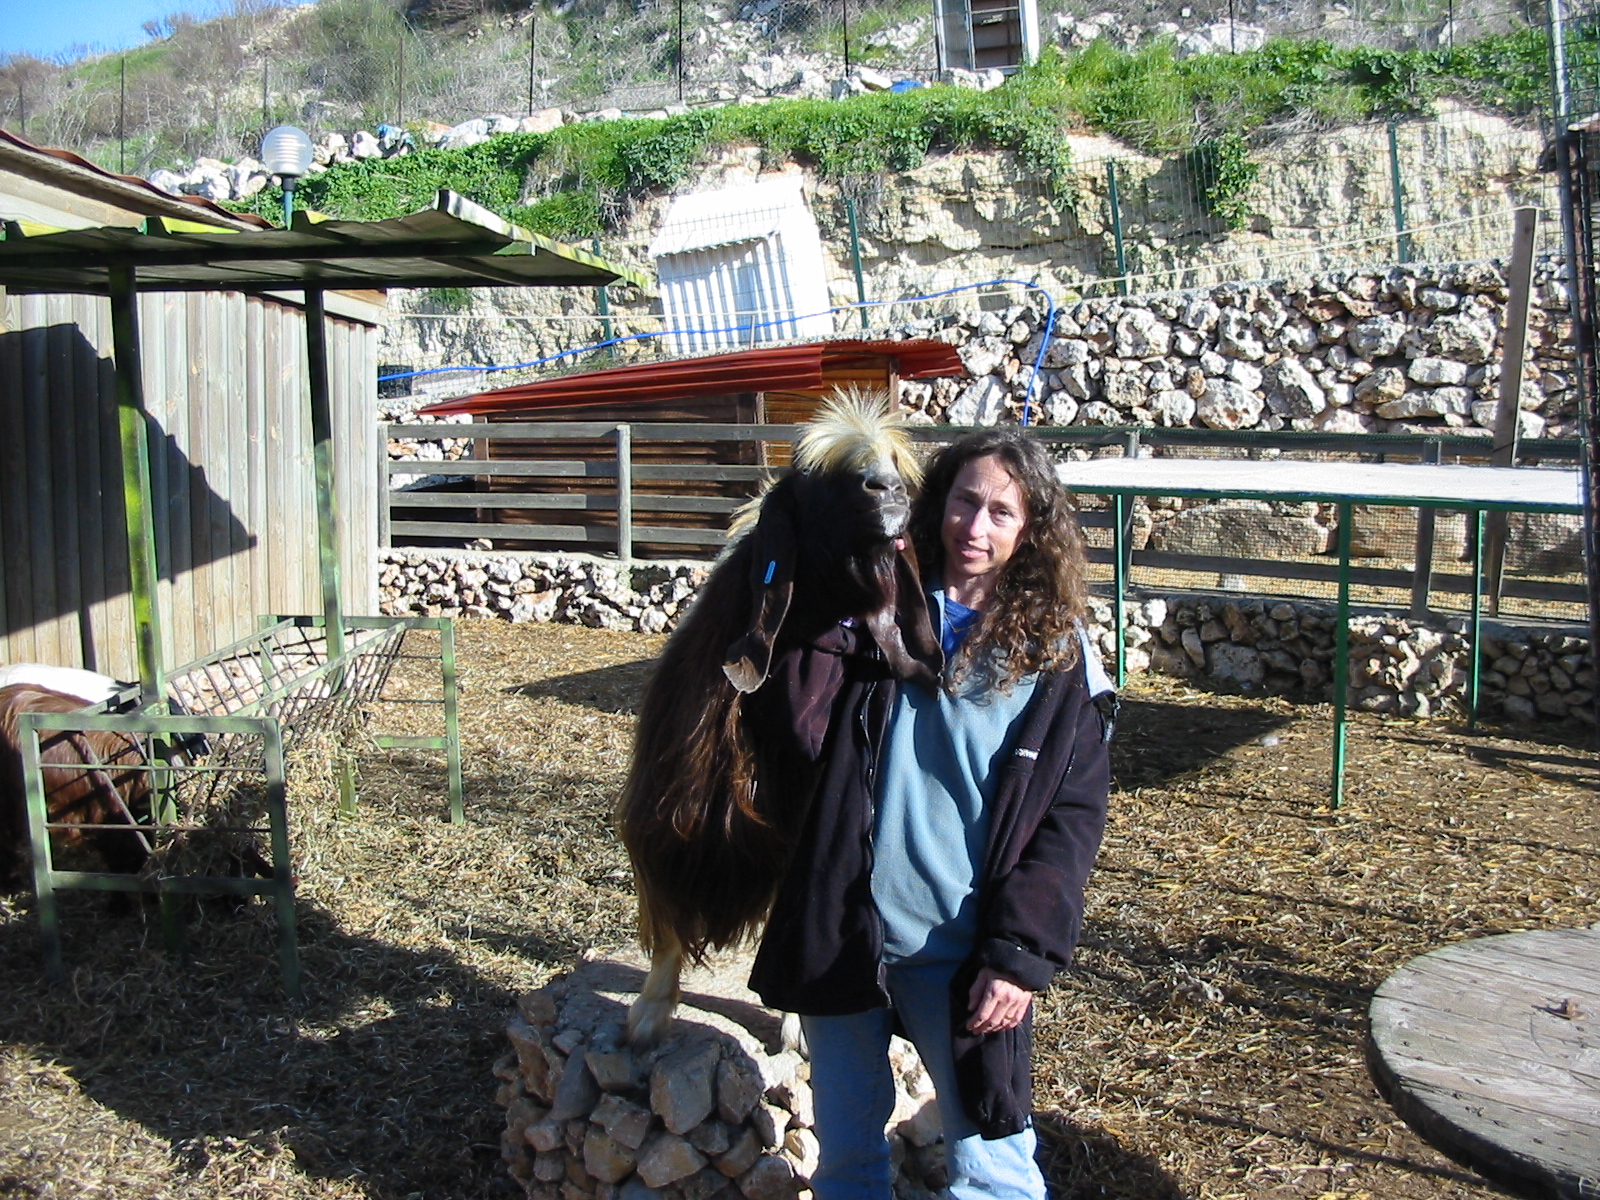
213, 87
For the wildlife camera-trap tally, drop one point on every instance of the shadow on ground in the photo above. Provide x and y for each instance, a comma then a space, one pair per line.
1159, 740
613, 689
381, 1076
1081, 1160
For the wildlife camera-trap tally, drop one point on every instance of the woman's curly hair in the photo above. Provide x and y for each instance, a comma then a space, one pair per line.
1042, 594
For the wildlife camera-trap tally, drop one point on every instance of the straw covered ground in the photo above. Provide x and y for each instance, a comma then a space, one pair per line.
1209, 1046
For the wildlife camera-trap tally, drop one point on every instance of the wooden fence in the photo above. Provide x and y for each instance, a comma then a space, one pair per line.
629, 515
235, 512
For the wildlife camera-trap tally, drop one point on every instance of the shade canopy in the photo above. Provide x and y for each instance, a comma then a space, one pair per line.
456, 243
763, 369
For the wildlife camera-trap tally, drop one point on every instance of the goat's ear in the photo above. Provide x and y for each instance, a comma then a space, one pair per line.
773, 547
904, 630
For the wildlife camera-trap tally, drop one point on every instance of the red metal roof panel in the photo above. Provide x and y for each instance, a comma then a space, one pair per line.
762, 369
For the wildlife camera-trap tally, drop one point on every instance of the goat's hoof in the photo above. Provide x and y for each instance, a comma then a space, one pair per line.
792, 1035
648, 1021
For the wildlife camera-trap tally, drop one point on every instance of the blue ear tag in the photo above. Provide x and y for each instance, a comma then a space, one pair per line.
772, 569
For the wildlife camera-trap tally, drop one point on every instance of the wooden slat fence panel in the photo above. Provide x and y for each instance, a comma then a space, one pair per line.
234, 504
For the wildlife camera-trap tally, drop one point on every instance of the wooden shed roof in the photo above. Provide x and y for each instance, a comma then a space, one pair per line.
763, 369
456, 243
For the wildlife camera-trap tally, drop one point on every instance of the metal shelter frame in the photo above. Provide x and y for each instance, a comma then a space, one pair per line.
455, 243
1476, 490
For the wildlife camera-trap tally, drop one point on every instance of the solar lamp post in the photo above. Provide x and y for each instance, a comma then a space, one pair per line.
286, 152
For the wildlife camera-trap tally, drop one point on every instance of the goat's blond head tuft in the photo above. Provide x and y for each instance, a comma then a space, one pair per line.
856, 430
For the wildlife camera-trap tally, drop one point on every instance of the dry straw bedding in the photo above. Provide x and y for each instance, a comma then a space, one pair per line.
1209, 1046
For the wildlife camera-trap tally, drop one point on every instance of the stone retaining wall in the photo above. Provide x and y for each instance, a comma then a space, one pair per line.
719, 1110
1412, 348
1278, 646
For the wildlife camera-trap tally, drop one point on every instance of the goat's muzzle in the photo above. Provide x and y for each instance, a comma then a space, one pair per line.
884, 493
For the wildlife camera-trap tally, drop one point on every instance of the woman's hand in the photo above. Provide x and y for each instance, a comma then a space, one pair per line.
997, 1004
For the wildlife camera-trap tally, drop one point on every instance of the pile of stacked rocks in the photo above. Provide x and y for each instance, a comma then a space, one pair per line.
425, 449
569, 588
717, 1110
1549, 674
1397, 665
1414, 348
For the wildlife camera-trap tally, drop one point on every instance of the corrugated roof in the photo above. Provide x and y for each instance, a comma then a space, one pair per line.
72, 172
729, 216
764, 369
453, 244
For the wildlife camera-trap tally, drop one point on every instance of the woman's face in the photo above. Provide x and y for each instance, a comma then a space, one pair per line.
985, 519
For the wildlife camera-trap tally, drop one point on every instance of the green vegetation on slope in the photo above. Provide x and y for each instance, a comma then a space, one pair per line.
579, 178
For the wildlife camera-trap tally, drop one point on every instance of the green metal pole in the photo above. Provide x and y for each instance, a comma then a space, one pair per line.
327, 513
855, 259
137, 504
1119, 578
452, 719
43, 869
1341, 655
322, 461
1116, 226
282, 872
603, 300
1475, 669
1402, 238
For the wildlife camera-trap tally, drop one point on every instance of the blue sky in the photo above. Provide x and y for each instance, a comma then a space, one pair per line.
47, 28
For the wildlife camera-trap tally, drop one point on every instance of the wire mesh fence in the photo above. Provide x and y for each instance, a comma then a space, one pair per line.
213, 87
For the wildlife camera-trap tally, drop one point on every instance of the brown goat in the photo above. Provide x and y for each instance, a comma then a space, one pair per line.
110, 794
714, 801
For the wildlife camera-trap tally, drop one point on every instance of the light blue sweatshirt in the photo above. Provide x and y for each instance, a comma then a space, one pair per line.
937, 776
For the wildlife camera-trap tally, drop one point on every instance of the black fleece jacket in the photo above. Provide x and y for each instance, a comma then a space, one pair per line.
821, 954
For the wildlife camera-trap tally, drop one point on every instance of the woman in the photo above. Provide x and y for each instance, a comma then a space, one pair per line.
939, 880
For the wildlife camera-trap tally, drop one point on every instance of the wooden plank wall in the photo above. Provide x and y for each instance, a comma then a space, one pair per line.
235, 507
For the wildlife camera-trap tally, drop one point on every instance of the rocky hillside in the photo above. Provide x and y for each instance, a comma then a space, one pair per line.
211, 87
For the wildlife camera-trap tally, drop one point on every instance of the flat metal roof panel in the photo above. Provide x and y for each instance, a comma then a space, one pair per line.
455, 243
1421, 484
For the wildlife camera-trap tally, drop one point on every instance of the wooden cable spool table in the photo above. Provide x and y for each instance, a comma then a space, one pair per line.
1490, 1048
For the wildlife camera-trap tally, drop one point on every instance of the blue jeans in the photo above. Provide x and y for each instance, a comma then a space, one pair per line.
853, 1087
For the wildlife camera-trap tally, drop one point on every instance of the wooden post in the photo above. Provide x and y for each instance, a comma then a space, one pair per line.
1422, 569
1120, 509
624, 492
1475, 670
385, 537
1507, 422
132, 421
